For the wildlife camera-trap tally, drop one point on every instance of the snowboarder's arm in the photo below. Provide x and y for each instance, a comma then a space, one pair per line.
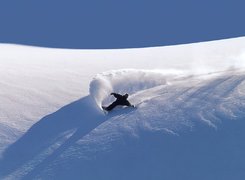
116, 95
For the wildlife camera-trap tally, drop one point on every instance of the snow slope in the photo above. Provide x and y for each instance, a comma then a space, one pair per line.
188, 124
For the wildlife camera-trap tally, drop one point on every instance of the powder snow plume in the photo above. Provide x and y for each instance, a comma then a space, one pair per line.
128, 81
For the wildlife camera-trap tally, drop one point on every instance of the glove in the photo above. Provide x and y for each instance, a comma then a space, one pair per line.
112, 93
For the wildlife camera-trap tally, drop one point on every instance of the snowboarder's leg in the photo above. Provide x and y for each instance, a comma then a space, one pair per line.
110, 107
127, 103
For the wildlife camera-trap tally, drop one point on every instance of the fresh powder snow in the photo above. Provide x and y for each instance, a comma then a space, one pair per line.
188, 122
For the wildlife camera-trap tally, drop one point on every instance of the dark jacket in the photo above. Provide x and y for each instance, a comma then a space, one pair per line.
121, 99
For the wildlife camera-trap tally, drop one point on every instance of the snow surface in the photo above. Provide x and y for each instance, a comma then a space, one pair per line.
188, 122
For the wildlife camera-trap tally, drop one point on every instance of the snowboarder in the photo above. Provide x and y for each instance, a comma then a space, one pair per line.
120, 100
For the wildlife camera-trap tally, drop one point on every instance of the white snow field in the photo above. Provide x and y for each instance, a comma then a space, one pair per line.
188, 122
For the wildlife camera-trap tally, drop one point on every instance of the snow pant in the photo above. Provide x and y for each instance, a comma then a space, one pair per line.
114, 104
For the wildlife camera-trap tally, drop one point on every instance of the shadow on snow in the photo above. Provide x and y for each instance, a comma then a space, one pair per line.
67, 125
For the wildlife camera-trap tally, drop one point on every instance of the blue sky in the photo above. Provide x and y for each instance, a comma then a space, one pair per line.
119, 23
